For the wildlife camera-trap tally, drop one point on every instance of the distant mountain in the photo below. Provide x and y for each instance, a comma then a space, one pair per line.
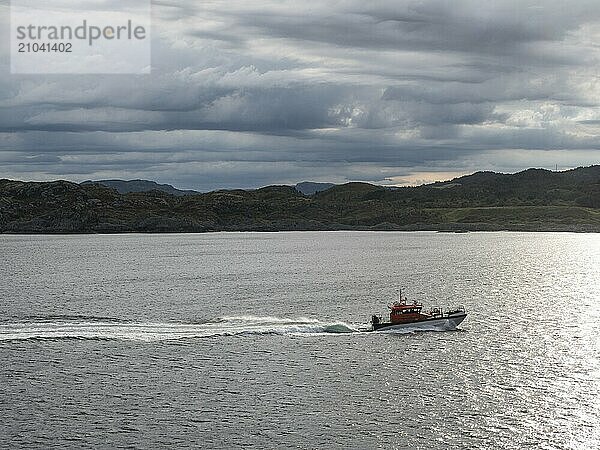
310, 188
125, 187
532, 200
590, 174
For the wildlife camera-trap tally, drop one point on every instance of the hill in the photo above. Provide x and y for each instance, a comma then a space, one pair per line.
310, 188
535, 200
125, 187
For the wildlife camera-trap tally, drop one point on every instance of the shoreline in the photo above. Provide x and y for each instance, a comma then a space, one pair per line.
358, 230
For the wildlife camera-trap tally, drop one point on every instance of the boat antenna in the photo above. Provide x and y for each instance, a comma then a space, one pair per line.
400, 296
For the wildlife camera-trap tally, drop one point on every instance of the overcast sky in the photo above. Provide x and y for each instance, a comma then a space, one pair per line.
250, 93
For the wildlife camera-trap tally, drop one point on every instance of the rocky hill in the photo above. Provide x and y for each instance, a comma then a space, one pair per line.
533, 200
127, 186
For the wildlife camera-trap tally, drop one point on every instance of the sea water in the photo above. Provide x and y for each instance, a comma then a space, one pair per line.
232, 340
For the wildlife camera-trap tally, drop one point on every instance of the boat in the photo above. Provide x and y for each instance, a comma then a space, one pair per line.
405, 314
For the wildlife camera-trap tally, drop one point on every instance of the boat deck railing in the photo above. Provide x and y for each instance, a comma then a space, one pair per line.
439, 312
458, 309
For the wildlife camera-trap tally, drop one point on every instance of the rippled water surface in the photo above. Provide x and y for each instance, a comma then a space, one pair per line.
253, 340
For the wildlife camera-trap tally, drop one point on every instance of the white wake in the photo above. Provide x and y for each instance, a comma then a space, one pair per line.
153, 331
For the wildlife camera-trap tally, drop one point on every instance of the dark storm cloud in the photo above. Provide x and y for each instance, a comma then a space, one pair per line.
503, 29
250, 93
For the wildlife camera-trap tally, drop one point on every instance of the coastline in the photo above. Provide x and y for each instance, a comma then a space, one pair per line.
535, 201
488, 229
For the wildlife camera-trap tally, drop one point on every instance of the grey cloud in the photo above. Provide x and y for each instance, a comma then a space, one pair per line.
414, 25
247, 93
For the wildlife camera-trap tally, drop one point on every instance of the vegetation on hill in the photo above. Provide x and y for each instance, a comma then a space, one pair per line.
530, 200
